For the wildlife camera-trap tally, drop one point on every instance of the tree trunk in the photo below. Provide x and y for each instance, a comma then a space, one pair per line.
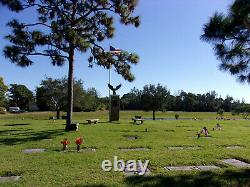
58, 113
153, 114
70, 89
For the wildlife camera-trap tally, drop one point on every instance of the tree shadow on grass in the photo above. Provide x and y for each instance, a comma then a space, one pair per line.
31, 136
104, 122
17, 124
92, 185
203, 179
6, 132
13, 132
101, 122
114, 122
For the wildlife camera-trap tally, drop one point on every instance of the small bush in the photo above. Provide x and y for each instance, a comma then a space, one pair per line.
102, 107
176, 116
220, 112
2, 110
234, 113
245, 115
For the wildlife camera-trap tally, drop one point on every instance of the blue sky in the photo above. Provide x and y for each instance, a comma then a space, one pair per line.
168, 43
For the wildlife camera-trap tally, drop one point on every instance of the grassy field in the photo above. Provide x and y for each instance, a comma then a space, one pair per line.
125, 115
56, 168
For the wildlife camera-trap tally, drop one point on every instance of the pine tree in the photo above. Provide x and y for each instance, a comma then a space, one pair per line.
64, 27
230, 36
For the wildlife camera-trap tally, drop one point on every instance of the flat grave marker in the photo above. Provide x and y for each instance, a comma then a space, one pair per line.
138, 170
28, 151
179, 168
47, 139
236, 163
131, 137
207, 168
88, 149
9, 179
233, 147
189, 168
184, 147
135, 149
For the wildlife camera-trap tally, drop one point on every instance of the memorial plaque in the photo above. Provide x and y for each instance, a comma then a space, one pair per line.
115, 108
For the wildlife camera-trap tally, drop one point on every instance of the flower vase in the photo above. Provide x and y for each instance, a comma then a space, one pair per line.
78, 148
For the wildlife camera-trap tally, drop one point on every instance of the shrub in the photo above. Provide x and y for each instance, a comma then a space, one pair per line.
234, 113
102, 107
245, 115
176, 116
220, 112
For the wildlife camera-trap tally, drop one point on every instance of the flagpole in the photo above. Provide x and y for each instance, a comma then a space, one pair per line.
109, 90
114, 51
109, 76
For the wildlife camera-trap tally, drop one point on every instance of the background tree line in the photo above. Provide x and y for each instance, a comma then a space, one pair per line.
51, 95
158, 97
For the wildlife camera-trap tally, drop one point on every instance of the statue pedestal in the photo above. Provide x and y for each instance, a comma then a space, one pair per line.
114, 109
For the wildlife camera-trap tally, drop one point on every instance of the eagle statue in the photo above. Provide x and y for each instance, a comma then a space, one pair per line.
114, 89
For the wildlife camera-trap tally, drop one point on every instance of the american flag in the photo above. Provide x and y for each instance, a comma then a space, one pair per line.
115, 50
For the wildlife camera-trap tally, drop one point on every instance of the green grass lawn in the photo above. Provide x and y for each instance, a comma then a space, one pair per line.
55, 168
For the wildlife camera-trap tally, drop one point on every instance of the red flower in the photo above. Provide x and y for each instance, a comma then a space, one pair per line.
65, 142
79, 141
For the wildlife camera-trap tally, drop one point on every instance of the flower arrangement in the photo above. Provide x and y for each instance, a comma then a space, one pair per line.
78, 142
65, 143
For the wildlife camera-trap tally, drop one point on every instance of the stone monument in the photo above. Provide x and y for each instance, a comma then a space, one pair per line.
114, 109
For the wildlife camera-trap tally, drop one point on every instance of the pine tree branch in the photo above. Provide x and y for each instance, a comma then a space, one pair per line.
42, 54
35, 24
63, 12
55, 6
96, 45
93, 9
66, 50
